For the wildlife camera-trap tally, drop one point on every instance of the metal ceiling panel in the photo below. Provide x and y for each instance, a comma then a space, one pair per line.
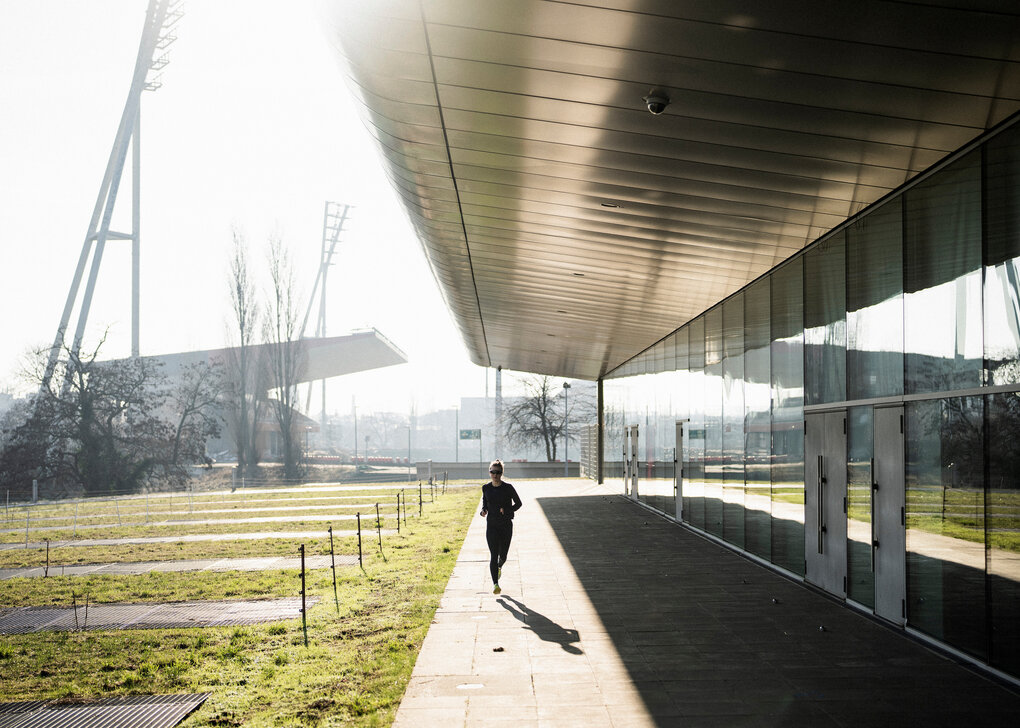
569, 229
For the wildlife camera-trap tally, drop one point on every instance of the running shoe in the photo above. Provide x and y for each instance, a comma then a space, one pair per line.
496, 589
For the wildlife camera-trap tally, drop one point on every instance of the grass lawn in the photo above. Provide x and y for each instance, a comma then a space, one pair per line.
353, 672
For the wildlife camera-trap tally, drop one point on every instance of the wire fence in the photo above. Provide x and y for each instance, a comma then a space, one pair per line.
148, 516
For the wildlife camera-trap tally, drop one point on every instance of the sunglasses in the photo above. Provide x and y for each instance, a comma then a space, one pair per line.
495, 472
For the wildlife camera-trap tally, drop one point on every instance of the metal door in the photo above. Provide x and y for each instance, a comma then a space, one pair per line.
678, 470
888, 527
825, 501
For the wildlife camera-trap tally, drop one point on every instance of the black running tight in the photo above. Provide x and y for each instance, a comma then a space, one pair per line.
498, 536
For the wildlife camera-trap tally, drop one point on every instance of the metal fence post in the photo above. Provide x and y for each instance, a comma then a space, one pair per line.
304, 609
361, 563
419, 499
378, 526
332, 559
398, 512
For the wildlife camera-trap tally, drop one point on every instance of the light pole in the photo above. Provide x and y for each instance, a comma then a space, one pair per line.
408, 453
566, 429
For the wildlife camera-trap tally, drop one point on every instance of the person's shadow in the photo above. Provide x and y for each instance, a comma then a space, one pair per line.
541, 625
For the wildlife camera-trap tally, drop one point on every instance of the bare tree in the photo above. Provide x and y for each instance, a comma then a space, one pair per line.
193, 401
286, 353
94, 424
539, 417
245, 380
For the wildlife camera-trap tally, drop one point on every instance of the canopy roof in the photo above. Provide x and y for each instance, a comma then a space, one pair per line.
569, 228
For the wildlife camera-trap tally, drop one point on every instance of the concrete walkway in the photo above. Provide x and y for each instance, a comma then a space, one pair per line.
612, 616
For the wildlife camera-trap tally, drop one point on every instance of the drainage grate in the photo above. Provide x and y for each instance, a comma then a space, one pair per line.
152, 616
141, 711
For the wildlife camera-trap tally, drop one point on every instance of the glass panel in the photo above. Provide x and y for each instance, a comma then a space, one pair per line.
860, 449
788, 417
713, 422
757, 421
733, 420
683, 409
942, 306
1002, 263
1003, 531
825, 322
694, 486
875, 304
659, 358
614, 399
946, 521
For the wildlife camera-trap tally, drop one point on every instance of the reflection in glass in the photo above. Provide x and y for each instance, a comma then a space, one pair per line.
713, 422
860, 583
757, 420
825, 321
945, 503
1003, 529
874, 298
788, 417
1002, 259
615, 397
733, 420
942, 305
694, 486
683, 408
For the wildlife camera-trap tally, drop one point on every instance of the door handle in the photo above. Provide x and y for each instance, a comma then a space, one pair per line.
874, 515
820, 491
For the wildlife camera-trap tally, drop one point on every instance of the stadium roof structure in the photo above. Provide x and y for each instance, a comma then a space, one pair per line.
569, 228
328, 357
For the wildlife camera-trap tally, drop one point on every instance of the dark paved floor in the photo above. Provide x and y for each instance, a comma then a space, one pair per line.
613, 616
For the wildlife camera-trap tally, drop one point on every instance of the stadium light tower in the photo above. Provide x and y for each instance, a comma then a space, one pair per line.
153, 57
334, 216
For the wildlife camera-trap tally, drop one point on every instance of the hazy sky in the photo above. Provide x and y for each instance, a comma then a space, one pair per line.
253, 128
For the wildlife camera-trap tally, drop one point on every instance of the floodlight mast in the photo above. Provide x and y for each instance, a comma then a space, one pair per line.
157, 35
334, 217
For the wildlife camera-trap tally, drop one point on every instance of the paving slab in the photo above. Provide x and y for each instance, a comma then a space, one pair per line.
266, 563
170, 615
613, 616
188, 538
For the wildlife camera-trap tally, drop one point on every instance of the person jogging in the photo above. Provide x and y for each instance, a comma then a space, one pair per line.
499, 503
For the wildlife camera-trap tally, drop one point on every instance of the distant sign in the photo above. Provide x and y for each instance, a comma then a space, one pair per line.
470, 434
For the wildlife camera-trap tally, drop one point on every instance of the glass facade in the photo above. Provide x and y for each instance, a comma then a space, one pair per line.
914, 304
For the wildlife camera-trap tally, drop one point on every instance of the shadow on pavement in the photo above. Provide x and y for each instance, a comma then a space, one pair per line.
542, 626
711, 638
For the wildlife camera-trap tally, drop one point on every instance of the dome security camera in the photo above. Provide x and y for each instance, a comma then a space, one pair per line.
656, 102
